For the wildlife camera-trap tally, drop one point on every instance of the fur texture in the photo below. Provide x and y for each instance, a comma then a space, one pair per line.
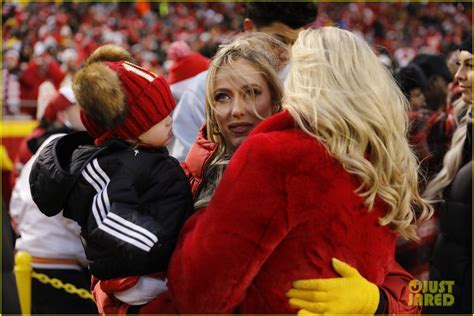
109, 52
99, 93
283, 209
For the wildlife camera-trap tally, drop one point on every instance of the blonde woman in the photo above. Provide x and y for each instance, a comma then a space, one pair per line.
333, 176
452, 256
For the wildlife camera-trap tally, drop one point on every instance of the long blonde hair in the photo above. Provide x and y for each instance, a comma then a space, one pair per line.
453, 158
339, 93
268, 56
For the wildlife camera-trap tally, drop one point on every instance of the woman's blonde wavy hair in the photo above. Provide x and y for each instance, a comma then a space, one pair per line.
339, 93
268, 56
453, 158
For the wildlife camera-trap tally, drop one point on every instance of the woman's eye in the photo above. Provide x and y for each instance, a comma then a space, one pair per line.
221, 97
252, 92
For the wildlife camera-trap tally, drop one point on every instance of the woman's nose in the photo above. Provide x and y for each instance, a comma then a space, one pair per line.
238, 108
459, 75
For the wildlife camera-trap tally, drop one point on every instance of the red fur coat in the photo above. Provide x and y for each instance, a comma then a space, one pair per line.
284, 208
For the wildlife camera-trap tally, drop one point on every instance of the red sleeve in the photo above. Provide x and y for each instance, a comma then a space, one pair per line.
22, 156
29, 76
395, 288
103, 290
107, 303
222, 248
55, 74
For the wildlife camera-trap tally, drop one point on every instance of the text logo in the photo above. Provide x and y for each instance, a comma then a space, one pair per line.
431, 293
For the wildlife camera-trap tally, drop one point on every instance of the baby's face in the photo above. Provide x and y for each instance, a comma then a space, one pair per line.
158, 135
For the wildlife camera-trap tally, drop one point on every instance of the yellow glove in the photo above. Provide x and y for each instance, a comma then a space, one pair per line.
351, 294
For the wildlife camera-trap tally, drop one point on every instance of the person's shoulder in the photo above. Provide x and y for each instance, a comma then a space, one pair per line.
281, 131
158, 160
281, 143
198, 81
140, 156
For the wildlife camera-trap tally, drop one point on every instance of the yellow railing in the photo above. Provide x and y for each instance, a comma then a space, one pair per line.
17, 128
24, 274
23, 280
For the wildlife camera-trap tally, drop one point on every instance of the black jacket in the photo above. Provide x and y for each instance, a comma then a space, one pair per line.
130, 202
452, 257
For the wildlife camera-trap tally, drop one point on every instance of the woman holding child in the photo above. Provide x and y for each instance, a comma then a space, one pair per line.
331, 176
287, 203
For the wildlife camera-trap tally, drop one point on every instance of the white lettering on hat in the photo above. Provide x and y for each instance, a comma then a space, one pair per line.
138, 71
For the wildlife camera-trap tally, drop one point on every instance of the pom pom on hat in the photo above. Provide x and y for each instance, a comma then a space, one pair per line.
99, 92
119, 98
109, 52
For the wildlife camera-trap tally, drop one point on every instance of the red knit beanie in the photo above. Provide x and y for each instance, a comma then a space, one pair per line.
186, 64
121, 99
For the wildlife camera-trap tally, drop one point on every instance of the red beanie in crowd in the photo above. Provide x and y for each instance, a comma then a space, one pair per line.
121, 99
63, 99
186, 64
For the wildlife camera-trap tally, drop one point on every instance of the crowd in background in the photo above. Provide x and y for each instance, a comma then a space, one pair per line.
67, 33
45, 44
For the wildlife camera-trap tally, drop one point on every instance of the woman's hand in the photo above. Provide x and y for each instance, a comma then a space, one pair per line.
350, 294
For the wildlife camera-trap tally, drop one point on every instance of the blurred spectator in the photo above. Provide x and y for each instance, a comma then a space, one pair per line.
404, 55
439, 76
43, 67
411, 255
437, 126
148, 29
412, 81
452, 187
46, 93
69, 64
186, 64
430, 133
10, 84
60, 116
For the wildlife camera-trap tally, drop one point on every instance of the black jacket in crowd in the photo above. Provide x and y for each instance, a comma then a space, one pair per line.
130, 202
452, 257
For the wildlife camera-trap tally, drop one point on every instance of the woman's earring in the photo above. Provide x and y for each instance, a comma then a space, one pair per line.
216, 130
276, 108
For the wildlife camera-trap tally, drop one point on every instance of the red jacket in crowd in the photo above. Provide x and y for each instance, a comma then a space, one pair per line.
34, 75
